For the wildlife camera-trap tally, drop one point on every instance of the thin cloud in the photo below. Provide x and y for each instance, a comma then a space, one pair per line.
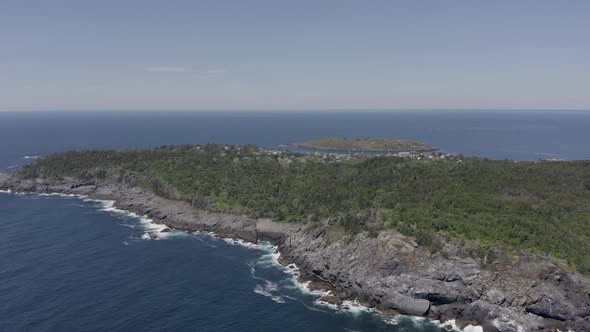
167, 69
214, 71
205, 73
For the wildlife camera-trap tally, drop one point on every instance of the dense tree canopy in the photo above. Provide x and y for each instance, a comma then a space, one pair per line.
541, 206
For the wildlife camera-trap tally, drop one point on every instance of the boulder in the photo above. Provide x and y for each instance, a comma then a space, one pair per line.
320, 286
547, 301
331, 299
404, 304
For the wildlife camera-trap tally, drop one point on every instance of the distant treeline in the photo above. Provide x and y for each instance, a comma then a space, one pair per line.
540, 206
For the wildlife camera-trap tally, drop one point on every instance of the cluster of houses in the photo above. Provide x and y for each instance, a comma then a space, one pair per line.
288, 156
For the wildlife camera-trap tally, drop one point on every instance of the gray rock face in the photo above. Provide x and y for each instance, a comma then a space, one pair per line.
404, 304
177, 214
390, 272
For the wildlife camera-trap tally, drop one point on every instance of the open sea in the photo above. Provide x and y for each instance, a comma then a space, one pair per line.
69, 264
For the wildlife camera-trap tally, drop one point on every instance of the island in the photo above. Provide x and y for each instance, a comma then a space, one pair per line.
366, 145
494, 243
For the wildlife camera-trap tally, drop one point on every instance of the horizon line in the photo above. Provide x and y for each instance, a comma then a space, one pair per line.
266, 110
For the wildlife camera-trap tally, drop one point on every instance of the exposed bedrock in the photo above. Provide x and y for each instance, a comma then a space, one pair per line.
393, 274
390, 272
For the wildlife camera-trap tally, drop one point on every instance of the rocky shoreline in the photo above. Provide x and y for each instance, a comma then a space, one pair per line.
389, 272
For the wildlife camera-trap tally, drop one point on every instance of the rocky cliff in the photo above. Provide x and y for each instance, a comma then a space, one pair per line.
389, 272
393, 274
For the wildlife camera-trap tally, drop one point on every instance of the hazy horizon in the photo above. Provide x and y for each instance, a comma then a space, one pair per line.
262, 55
327, 110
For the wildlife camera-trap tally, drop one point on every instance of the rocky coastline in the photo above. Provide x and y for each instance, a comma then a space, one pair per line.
390, 272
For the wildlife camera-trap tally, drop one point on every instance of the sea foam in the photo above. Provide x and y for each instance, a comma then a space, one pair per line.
155, 231
267, 290
240, 242
152, 230
271, 257
452, 324
59, 195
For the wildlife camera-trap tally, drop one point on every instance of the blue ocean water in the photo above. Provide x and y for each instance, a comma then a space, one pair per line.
71, 265
525, 135
68, 264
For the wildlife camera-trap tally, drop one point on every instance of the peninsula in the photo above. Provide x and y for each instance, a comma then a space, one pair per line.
366, 145
499, 244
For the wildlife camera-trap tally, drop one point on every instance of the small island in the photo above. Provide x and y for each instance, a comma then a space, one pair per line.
443, 237
366, 145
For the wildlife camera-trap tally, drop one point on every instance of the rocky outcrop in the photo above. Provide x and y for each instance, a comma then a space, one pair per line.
177, 214
390, 272
331, 299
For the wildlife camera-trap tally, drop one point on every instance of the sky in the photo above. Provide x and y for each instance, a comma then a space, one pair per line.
294, 55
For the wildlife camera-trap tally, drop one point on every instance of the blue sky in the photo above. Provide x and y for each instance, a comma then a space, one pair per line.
271, 55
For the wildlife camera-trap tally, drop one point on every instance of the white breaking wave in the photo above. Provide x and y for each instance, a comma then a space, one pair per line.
449, 325
39, 195
267, 289
271, 258
106, 205
240, 242
352, 307
60, 195
197, 235
32, 157
253, 271
452, 324
349, 306
153, 230
312, 307
232, 241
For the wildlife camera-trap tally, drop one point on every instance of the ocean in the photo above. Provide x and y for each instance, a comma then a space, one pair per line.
69, 264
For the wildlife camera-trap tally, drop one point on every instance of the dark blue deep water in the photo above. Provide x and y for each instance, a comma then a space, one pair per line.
71, 265
525, 135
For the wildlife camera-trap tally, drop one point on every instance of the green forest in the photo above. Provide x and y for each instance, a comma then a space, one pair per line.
543, 207
367, 145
